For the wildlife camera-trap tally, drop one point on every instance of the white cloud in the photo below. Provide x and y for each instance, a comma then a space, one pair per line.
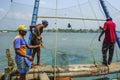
21, 16
2, 10
42, 2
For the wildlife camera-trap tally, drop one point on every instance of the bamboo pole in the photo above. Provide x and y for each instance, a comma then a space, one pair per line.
44, 76
9, 58
1, 76
85, 70
75, 70
11, 65
60, 17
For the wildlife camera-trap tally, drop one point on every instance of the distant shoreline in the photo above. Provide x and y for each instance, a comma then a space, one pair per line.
64, 30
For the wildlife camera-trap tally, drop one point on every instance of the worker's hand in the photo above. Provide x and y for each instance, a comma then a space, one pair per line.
39, 37
39, 45
99, 39
29, 57
100, 28
42, 45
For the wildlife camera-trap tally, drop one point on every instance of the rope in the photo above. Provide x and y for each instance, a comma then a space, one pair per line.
91, 48
81, 12
56, 37
96, 64
117, 60
6, 12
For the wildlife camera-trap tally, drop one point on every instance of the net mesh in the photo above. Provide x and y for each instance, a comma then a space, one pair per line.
72, 48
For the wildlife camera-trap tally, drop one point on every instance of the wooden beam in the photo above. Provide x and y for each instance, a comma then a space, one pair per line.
73, 18
44, 76
85, 70
1, 76
10, 58
11, 65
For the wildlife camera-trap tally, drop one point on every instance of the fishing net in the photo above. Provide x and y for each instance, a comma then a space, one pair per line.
73, 44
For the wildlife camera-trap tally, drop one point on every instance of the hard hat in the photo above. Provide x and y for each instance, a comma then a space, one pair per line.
22, 27
44, 22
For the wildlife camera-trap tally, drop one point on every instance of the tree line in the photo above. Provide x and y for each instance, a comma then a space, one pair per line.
74, 30
65, 30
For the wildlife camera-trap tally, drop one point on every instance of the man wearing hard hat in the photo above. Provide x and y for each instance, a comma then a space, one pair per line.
22, 60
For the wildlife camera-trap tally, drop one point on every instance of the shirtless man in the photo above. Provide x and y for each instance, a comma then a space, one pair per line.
37, 39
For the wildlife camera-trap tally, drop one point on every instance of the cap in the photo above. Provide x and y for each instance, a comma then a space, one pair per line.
44, 22
22, 27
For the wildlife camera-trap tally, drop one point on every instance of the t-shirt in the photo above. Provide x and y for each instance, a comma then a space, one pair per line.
109, 28
23, 64
20, 43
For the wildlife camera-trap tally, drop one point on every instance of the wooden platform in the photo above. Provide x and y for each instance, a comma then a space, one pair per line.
48, 71
85, 70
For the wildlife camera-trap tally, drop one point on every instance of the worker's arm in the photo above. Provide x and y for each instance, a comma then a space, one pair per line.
100, 28
103, 31
31, 27
38, 31
32, 47
17, 51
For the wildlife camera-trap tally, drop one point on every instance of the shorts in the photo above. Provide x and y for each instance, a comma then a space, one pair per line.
34, 40
23, 64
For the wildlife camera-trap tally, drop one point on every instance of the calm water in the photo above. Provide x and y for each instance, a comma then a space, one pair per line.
72, 48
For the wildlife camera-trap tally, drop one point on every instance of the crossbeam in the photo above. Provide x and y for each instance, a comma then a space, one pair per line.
78, 70
60, 17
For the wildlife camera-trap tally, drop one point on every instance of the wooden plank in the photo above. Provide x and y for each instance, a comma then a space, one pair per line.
10, 58
11, 65
44, 76
1, 76
116, 79
79, 70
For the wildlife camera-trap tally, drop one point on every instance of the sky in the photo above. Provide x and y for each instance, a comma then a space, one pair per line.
62, 3
5, 4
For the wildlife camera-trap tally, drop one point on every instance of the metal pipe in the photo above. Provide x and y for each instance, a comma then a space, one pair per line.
105, 8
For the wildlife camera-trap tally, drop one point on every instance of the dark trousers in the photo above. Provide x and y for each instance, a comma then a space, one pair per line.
105, 47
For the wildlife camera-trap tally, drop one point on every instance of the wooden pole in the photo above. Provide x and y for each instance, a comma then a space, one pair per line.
44, 76
60, 17
1, 76
85, 70
9, 57
76, 70
11, 65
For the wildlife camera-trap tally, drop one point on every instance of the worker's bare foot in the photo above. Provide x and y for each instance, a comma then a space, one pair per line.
33, 64
39, 64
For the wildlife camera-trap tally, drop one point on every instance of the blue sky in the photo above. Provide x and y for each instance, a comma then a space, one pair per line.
5, 4
65, 3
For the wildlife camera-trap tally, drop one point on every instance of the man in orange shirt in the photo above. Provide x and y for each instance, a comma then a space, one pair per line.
22, 60
109, 40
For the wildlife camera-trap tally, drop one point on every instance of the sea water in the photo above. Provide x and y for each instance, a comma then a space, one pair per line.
70, 48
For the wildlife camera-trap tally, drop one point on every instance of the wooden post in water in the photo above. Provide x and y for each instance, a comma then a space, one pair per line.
1, 76
44, 76
10, 59
11, 65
